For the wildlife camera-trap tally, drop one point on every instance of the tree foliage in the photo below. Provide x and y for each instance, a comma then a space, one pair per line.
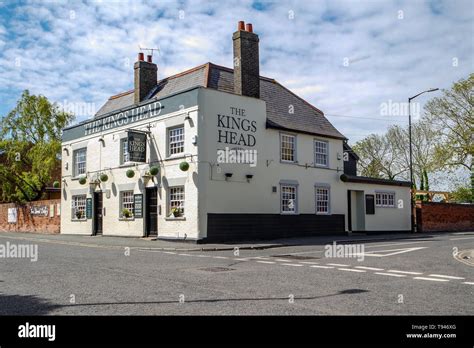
30, 147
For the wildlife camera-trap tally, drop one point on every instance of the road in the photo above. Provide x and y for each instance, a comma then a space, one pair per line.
415, 276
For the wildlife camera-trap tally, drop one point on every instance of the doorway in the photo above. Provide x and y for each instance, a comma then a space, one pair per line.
151, 210
355, 211
98, 213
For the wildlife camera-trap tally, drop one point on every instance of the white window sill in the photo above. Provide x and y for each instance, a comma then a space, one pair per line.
179, 218
127, 219
78, 220
175, 156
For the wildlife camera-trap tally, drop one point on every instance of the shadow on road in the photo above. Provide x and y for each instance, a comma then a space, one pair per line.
25, 305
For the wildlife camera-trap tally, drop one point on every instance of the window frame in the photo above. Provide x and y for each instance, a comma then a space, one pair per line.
294, 147
75, 167
326, 143
170, 143
295, 210
131, 208
182, 200
322, 187
385, 196
74, 206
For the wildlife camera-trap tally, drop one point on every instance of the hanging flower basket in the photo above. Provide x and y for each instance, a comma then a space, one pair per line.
126, 213
56, 184
82, 180
104, 177
130, 173
184, 166
154, 170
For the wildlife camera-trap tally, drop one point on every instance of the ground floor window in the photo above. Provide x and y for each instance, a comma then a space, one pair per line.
288, 199
78, 207
322, 200
385, 199
126, 204
176, 201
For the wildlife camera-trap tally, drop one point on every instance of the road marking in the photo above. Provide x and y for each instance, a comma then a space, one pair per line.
445, 276
220, 257
432, 279
470, 283
396, 252
291, 264
261, 258
282, 260
391, 274
404, 272
186, 255
461, 238
266, 262
337, 264
351, 270
321, 266
369, 268
169, 252
309, 263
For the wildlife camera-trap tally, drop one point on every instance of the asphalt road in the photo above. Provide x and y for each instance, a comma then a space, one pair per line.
398, 277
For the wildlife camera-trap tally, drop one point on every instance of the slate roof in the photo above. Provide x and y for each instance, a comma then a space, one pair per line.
305, 117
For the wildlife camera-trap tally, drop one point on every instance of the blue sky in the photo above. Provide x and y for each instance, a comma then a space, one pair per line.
345, 57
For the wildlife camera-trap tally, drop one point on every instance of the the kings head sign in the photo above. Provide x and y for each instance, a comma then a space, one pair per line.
136, 146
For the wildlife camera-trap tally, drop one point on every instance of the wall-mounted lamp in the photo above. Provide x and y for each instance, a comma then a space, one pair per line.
187, 118
249, 177
66, 150
101, 140
228, 176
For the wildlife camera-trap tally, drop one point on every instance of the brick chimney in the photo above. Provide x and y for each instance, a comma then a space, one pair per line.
246, 61
146, 76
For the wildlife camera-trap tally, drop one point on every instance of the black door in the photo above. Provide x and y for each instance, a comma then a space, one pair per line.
151, 212
98, 211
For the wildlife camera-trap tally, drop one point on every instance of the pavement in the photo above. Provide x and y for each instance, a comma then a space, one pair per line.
393, 275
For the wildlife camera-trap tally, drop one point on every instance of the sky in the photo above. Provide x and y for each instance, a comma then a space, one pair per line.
354, 60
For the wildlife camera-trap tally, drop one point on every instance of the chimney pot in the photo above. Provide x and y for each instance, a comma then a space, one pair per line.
149, 58
249, 28
141, 56
241, 25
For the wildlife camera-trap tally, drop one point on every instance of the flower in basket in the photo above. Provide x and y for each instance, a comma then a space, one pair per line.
126, 213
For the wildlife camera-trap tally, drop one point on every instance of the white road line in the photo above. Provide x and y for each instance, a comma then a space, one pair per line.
337, 265
445, 276
169, 252
241, 259
309, 263
261, 258
203, 256
432, 279
351, 270
220, 257
461, 238
282, 260
266, 262
470, 283
291, 264
185, 255
321, 266
369, 268
404, 272
390, 274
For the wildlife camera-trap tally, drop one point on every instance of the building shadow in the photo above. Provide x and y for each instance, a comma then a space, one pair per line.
26, 305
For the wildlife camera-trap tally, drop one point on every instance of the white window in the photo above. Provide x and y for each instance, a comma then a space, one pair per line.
79, 158
176, 199
288, 147
385, 199
78, 207
124, 154
126, 204
322, 200
321, 153
288, 199
176, 140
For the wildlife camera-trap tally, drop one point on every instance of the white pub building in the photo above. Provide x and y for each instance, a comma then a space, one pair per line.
218, 154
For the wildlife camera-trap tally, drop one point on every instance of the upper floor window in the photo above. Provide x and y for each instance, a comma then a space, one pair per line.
288, 147
322, 200
79, 160
176, 140
124, 154
288, 199
321, 151
385, 199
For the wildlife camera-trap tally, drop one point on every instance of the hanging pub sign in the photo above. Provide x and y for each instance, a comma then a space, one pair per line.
137, 146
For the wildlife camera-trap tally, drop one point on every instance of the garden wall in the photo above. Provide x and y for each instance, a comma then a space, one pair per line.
446, 217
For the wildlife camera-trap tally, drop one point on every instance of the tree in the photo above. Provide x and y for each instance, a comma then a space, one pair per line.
452, 117
30, 147
461, 195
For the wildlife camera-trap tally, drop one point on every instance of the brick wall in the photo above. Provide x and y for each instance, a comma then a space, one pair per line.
28, 222
432, 217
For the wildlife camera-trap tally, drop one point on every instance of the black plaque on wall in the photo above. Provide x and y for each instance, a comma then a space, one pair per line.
138, 205
137, 146
89, 208
370, 204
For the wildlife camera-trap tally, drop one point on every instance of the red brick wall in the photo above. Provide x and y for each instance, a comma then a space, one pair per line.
432, 217
26, 222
